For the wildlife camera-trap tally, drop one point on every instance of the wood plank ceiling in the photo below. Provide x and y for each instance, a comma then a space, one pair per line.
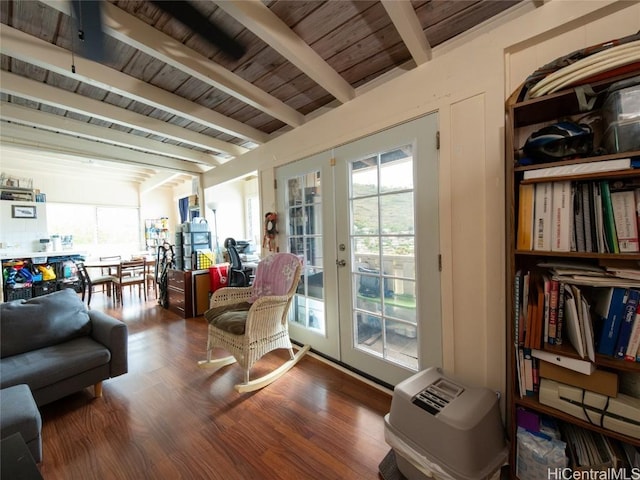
165, 104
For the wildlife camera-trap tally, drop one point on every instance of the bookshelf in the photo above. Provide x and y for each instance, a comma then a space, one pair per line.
522, 119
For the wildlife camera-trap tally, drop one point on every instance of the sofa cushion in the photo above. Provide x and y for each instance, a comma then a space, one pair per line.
41, 322
46, 366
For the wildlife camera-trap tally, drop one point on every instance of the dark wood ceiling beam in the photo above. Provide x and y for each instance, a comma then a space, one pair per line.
133, 32
274, 32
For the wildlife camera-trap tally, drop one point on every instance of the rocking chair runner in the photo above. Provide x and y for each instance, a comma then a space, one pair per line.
249, 322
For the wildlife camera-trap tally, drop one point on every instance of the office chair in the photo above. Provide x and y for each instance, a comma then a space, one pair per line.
238, 275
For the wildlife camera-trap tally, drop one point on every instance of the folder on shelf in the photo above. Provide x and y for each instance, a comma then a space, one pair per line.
609, 306
625, 218
525, 217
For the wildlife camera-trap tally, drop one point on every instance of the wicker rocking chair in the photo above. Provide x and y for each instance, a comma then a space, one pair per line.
249, 322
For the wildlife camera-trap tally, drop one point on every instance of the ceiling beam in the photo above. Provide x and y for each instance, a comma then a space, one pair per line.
21, 160
407, 24
158, 180
69, 126
257, 17
41, 140
13, 84
137, 34
27, 48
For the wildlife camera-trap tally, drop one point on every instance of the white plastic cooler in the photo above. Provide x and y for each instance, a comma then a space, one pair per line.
441, 429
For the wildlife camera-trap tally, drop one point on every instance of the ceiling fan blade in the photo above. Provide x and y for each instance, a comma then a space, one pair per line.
89, 22
192, 18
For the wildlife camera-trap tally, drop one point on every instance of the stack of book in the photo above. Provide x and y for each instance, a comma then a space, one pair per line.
589, 216
551, 310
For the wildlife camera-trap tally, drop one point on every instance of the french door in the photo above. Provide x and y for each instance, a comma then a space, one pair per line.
364, 216
305, 197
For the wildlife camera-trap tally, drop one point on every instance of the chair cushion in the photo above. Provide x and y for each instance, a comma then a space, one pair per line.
232, 322
275, 275
230, 318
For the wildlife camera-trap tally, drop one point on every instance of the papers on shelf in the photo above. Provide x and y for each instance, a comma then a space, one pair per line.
579, 168
593, 276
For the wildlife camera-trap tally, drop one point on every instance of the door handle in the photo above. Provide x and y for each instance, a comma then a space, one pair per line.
341, 263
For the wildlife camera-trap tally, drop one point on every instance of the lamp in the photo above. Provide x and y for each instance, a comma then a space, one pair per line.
213, 208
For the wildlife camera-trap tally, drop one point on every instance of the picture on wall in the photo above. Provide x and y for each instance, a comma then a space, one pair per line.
23, 211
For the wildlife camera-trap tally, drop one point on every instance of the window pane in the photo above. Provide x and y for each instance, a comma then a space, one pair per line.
119, 228
396, 213
294, 191
396, 170
76, 220
364, 177
399, 256
365, 216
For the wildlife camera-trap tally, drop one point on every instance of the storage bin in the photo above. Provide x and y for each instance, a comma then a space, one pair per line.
199, 226
442, 429
621, 117
18, 293
192, 238
622, 136
43, 288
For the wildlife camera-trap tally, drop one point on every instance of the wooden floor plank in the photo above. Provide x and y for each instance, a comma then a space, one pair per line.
168, 419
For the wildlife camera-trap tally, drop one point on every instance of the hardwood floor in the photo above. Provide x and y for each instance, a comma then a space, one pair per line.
169, 419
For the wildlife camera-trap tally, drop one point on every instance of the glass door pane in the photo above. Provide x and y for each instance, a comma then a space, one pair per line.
304, 200
382, 240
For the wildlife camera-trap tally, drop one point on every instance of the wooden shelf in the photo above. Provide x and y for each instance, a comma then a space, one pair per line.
522, 119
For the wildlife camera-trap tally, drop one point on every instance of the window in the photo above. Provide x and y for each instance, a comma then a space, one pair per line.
96, 229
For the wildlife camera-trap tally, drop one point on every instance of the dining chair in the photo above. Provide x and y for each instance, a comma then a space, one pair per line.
131, 273
151, 268
111, 270
89, 282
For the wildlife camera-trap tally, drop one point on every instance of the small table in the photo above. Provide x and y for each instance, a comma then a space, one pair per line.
16, 460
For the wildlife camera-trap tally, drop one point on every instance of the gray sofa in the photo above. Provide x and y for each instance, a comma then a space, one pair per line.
57, 347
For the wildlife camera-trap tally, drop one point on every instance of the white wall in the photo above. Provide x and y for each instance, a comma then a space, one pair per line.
60, 188
228, 199
21, 234
467, 82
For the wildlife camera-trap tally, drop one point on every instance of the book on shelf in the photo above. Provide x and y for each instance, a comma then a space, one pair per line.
626, 220
609, 308
525, 217
572, 311
611, 235
542, 216
628, 318
634, 339
554, 290
578, 169
598, 219
562, 217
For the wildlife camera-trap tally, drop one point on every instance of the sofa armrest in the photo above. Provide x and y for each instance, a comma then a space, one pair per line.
113, 334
